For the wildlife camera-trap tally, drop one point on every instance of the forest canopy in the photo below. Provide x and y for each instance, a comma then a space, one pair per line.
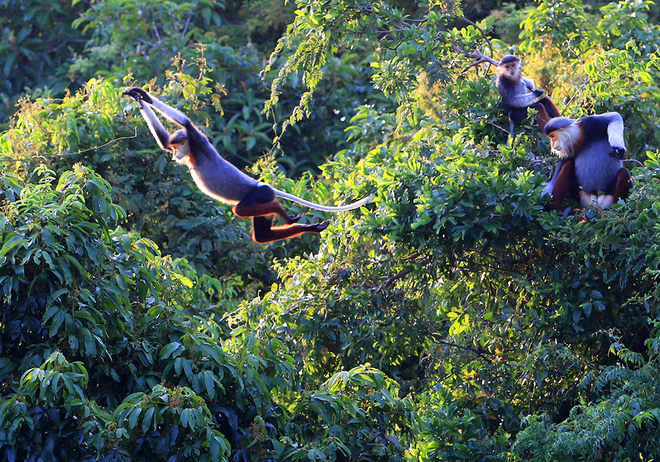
451, 318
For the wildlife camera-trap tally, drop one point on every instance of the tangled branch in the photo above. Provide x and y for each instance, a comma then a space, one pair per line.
476, 56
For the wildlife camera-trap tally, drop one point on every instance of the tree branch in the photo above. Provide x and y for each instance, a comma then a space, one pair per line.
476, 56
401, 274
481, 352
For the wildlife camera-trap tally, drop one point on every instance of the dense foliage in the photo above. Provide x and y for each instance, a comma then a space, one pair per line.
451, 318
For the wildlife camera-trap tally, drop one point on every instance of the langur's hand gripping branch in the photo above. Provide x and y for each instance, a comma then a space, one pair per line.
221, 180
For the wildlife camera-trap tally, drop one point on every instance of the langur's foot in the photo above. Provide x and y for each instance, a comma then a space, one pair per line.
295, 218
318, 227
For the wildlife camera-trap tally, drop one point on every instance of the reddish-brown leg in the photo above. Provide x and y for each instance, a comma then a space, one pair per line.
623, 185
546, 110
263, 231
262, 210
564, 185
550, 107
542, 117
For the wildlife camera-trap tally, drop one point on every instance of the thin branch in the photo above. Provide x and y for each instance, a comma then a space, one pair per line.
156, 32
401, 274
185, 29
497, 126
641, 164
481, 352
412, 256
152, 45
64, 43
476, 56
66, 154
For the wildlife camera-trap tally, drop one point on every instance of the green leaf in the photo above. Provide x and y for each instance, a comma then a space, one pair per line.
209, 383
147, 419
173, 349
133, 417
12, 242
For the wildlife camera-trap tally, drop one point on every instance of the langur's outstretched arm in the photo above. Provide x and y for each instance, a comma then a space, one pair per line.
155, 126
147, 101
172, 114
160, 133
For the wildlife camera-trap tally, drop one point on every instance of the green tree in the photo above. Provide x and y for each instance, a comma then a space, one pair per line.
452, 318
125, 353
36, 48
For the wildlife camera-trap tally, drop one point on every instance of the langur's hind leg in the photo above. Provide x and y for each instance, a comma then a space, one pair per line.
566, 184
517, 115
261, 202
623, 185
542, 116
263, 230
549, 107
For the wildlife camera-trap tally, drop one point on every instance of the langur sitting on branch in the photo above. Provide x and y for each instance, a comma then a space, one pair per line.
221, 180
591, 151
518, 94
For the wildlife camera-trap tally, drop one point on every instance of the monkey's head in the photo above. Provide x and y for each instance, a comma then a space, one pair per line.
179, 145
511, 67
565, 135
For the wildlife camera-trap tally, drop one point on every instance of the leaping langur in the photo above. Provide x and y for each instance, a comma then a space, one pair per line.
518, 93
591, 151
221, 180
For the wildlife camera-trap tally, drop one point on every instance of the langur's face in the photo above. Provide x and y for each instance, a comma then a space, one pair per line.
179, 145
180, 150
563, 140
511, 70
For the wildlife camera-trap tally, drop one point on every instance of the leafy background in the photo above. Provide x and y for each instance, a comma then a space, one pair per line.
450, 319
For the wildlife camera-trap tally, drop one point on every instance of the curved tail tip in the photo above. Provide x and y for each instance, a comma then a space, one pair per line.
362, 202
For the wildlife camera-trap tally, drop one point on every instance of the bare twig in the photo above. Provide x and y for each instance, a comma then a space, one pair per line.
152, 45
156, 33
476, 56
64, 43
497, 126
481, 352
641, 164
66, 154
412, 256
401, 274
185, 29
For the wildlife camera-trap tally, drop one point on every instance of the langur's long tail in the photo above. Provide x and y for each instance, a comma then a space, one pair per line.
324, 208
